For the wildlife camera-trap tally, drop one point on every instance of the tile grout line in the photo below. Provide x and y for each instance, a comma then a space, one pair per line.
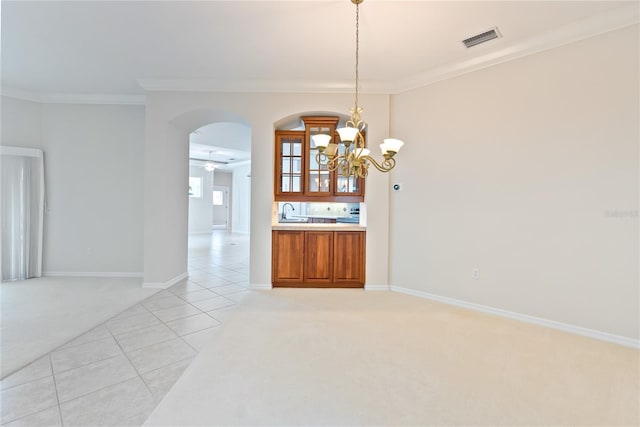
214, 296
211, 271
86, 364
27, 382
120, 382
123, 381
55, 387
133, 366
97, 390
127, 356
190, 346
32, 413
63, 345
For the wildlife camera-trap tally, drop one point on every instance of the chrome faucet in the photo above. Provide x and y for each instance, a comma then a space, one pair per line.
284, 210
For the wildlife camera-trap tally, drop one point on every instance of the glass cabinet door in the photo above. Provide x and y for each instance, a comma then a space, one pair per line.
319, 178
289, 156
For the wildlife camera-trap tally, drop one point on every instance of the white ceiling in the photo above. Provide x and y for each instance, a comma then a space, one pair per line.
119, 47
227, 144
122, 48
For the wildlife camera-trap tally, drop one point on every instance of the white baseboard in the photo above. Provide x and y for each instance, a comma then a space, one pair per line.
578, 330
376, 287
91, 274
165, 285
256, 287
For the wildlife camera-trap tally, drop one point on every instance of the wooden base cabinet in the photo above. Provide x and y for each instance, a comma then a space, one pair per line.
321, 259
287, 257
348, 257
318, 257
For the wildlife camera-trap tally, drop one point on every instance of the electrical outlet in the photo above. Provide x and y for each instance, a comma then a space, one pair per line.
475, 274
89, 250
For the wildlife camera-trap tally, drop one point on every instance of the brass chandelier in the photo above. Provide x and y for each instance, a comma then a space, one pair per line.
355, 160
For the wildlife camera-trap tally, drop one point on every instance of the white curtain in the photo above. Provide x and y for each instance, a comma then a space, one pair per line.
21, 212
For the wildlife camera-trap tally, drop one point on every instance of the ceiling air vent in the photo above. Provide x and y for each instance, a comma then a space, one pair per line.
491, 34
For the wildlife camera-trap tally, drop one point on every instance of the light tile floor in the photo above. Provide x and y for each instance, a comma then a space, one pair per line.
116, 373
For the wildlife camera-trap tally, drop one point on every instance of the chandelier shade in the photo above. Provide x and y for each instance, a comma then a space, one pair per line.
391, 145
321, 140
347, 134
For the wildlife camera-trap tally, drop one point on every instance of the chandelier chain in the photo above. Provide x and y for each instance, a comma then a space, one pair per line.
357, 50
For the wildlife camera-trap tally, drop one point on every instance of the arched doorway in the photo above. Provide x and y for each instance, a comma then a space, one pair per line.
219, 212
167, 195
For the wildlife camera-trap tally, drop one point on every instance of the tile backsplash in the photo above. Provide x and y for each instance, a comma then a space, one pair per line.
347, 210
333, 209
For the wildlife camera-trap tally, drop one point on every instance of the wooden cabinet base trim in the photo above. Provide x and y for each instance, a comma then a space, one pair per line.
320, 285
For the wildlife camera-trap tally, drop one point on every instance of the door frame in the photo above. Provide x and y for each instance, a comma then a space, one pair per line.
226, 191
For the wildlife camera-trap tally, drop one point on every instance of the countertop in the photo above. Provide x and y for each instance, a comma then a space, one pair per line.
305, 226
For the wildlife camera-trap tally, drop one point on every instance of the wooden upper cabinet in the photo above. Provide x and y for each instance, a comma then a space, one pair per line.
319, 178
298, 174
289, 164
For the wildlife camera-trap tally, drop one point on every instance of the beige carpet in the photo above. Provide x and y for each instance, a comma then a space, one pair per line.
41, 314
336, 357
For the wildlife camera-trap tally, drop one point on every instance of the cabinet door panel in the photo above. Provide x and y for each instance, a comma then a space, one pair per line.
318, 257
349, 257
288, 257
319, 177
289, 163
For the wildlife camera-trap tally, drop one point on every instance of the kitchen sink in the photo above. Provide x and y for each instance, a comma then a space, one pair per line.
288, 220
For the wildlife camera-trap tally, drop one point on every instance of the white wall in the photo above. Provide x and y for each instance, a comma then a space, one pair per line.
241, 199
169, 120
201, 209
528, 171
223, 177
21, 123
226, 135
93, 174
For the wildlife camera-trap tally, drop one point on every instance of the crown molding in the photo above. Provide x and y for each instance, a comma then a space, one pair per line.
615, 19
237, 164
73, 98
21, 94
93, 98
261, 86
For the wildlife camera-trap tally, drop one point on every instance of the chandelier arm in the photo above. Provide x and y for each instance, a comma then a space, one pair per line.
335, 162
344, 168
385, 166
